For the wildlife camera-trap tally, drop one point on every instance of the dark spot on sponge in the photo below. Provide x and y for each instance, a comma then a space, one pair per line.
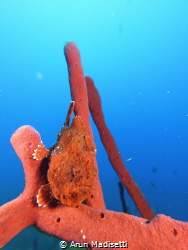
102, 215
175, 232
148, 221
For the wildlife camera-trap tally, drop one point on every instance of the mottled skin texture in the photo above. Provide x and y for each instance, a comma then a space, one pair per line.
72, 170
71, 167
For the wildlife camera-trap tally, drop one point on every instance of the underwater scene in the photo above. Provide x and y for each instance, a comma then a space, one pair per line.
136, 52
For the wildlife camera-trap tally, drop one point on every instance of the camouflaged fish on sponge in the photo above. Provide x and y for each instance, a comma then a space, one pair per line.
71, 165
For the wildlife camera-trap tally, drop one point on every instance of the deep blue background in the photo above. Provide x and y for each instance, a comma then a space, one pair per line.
137, 53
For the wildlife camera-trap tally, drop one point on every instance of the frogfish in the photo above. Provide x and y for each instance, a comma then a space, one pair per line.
71, 163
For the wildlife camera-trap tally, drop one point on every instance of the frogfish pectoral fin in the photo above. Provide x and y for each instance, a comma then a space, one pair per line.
41, 152
45, 196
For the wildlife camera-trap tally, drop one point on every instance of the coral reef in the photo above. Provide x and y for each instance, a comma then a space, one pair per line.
88, 223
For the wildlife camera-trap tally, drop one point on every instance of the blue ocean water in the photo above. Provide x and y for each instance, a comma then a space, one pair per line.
136, 52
